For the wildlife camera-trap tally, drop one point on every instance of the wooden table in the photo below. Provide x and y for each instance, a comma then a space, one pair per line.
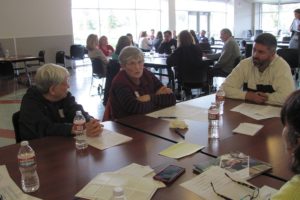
63, 170
21, 58
266, 145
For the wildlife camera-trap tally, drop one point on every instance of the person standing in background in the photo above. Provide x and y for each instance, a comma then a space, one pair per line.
295, 29
105, 47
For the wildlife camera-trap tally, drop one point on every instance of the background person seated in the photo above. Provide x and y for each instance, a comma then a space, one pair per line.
291, 136
105, 47
135, 90
202, 38
48, 109
168, 44
226, 59
263, 78
93, 51
186, 57
144, 43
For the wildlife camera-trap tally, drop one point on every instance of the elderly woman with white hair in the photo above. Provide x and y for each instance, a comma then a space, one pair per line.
48, 108
135, 90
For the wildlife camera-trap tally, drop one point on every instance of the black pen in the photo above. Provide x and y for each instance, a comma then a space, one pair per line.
178, 133
167, 117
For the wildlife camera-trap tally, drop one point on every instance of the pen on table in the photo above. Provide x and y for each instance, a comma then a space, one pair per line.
167, 117
178, 133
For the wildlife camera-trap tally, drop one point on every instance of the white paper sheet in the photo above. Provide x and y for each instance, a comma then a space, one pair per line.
201, 185
257, 112
8, 188
107, 139
180, 150
182, 112
137, 186
248, 128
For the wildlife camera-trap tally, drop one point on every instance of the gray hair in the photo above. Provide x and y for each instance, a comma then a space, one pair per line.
130, 53
226, 31
49, 75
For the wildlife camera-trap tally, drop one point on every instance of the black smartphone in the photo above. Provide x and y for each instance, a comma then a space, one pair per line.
169, 174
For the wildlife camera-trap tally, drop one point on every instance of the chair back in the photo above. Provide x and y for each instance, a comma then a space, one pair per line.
77, 51
113, 68
42, 56
15, 121
194, 75
290, 56
205, 47
248, 50
98, 68
7, 70
60, 57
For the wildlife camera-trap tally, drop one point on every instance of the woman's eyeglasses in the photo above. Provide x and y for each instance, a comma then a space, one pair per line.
252, 196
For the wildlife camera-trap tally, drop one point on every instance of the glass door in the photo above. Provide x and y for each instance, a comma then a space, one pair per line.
198, 21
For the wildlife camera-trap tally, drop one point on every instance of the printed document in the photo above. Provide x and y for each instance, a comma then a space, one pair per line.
257, 112
8, 188
137, 186
180, 150
107, 139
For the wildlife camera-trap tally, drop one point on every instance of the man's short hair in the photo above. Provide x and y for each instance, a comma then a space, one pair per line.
130, 53
268, 40
297, 10
226, 31
168, 32
49, 75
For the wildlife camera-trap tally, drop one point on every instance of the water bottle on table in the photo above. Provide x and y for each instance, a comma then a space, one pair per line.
27, 165
220, 99
213, 121
79, 130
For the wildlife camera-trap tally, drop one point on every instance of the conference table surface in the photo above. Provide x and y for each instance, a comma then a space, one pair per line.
266, 145
63, 170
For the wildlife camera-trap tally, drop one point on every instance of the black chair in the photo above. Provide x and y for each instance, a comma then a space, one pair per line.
15, 121
98, 72
248, 50
60, 58
205, 47
40, 61
8, 72
77, 52
291, 57
113, 68
193, 77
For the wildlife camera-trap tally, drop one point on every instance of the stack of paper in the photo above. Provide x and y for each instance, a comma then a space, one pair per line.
180, 150
107, 139
136, 180
247, 129
257, 112
8, 188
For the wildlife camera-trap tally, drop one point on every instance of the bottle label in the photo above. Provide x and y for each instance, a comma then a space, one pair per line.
26, 162
213, 116
78, 127
220, 98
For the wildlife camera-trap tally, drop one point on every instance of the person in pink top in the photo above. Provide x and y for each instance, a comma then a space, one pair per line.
105, 47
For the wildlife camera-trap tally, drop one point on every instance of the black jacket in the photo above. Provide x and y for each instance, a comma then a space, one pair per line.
40, 117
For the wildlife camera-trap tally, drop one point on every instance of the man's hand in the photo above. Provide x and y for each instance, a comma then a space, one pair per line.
93, 128
257, 97
144, 98
164, 90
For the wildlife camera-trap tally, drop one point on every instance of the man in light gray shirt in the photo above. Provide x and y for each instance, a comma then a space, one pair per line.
227, 58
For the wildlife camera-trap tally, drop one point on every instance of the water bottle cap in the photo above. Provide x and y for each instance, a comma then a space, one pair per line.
118, 191
24, 143
78, 112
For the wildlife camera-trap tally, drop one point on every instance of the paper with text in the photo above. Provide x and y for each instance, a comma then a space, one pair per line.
248, 128
137, 186
180, 150
8, 188
107, 139
257, 112
201, 185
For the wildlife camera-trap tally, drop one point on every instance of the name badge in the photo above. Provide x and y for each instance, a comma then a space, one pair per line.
61, 113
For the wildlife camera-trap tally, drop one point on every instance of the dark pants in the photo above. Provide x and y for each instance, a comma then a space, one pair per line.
215, 72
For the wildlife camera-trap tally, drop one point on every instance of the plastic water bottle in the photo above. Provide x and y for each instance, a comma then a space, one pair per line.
220, 99
79, 130
213, 120
27, 165
118, 194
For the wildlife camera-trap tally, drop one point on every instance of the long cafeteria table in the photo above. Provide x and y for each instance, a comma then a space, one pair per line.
266, 145
63, 170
